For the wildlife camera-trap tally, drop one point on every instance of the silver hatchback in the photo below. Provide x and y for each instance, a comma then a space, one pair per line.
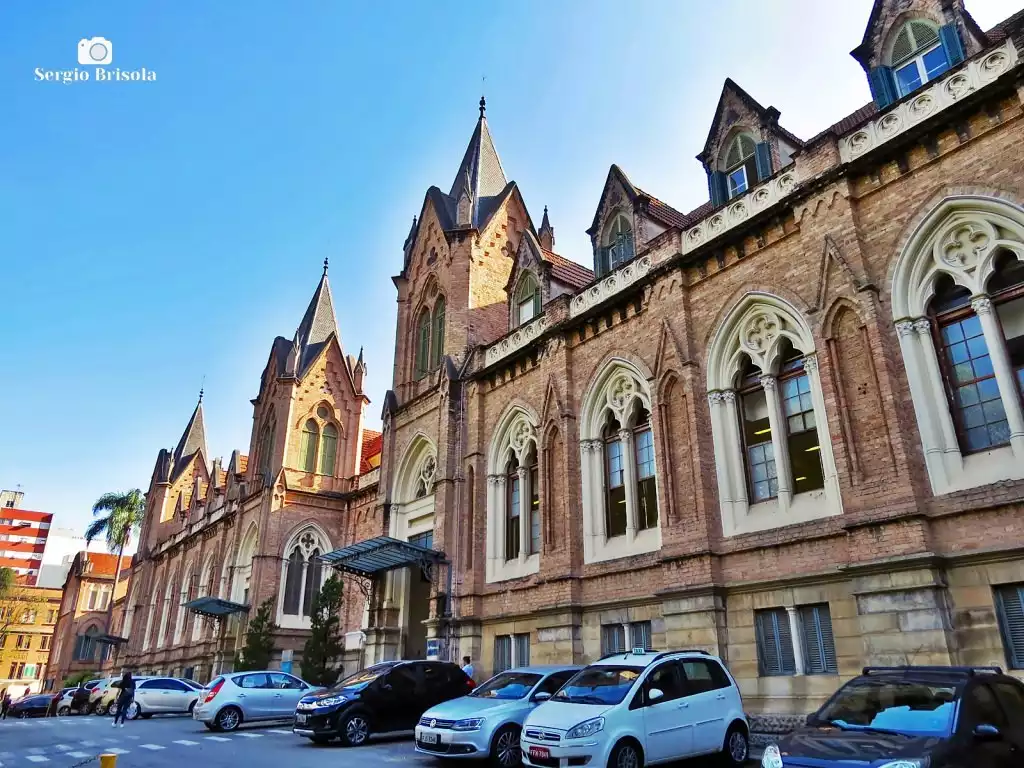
245, 697
486, 723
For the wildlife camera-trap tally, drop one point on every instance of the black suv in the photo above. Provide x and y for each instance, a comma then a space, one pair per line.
389, 696
912, 717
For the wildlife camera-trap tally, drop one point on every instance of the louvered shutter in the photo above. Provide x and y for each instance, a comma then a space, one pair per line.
786, 655
951, 44
763, 156
502, 653
640, 635
774, 643
602, 260
718, 188
819, 645
1010, 605
613, 639
883, 86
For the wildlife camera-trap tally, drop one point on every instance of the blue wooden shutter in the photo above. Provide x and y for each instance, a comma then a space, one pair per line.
951, 44
774, 643
819, 645
763, 156
883, 86
602, 260
1010, 605
718, 188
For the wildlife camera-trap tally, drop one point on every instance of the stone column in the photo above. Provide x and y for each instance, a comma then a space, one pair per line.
593, 494
524, 518
629, 481
777, 423
798, 646
734, 445
932, 375
1005, 375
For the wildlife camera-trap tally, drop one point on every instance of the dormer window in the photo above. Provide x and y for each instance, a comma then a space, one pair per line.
527, 299
917, 56
740, 165
617, 245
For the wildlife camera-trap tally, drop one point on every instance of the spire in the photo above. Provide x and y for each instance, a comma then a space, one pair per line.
546, 233
480, 174
192, 439
316, 327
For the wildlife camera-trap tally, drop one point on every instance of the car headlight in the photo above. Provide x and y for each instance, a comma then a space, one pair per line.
771, 757
469, 724
916, 762
586, 728
330, 701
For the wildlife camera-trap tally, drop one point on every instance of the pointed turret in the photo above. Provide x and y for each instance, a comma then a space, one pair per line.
193, 439
546, 233
316, 327
480, 175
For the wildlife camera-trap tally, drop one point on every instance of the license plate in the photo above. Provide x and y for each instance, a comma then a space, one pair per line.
540, 753
430, 738
300, 719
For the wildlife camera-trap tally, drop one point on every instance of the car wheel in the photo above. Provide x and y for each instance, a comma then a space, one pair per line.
321, 740
505, 750
735, 748
228, 719
63, 711
355, 728
134, 711
101, 710
626, 755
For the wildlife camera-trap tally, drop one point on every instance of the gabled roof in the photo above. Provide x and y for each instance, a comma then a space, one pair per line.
770, 115
480, 174
373, 445
193, 440
652, 206
567, 272
102, 564
316, 327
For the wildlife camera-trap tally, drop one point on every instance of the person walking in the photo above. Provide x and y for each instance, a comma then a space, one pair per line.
467, 667
5, 704
125, 697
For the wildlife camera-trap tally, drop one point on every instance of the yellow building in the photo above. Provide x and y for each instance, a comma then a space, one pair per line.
27, 619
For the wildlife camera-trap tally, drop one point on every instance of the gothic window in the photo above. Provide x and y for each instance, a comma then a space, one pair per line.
314, 580
307, 452
534, 522
773, 455
958, 303
266, 451
423, 344
165, 614
425, 477
303, 575
85, 645
527, 303
328, 449
917, 56
437, 334
620, 494
293, 583
186, 584
512, 509
739, 164
617, 245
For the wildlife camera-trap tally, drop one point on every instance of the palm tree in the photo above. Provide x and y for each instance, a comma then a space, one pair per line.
119, 515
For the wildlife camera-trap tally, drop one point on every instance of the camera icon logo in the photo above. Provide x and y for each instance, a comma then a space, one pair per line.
95, 50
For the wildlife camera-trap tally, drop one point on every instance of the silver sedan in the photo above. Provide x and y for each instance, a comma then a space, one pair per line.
239, 697
486, 723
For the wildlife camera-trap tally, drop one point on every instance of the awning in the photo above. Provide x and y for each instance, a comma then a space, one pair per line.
381, 554
214, 607
110, 640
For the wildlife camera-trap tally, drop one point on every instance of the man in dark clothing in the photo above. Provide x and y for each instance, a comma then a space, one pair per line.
80, 699
125, 697
5, 704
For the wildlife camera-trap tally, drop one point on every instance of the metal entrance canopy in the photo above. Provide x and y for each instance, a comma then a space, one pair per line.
110, 640
214, 607
380, 554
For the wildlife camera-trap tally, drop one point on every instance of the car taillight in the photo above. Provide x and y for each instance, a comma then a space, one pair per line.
213, 692
470, 683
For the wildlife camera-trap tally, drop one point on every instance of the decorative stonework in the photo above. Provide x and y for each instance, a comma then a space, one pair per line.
617, 281
928, 102
905, 328
516, 340
982, 305
740, 210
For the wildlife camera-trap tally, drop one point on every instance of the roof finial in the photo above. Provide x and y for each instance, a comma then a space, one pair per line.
325, 266
483, 106
202, 386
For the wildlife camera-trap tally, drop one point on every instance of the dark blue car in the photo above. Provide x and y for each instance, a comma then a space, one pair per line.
912, 717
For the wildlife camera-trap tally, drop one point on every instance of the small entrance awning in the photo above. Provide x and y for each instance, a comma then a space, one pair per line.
110, 640
381, 554
214, 607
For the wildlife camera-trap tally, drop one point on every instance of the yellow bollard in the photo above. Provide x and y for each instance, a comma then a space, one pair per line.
108, 761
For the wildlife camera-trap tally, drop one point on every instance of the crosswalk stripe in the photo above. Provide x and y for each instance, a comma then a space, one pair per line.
78, 755
117, 751
216, 738
186, 742
87, 743
37, 758
151, 746
279, 730
251, 735
61, 747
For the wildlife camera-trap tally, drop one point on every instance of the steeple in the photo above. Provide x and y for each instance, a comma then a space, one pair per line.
316, 327
192, 439
480, 175
546, 233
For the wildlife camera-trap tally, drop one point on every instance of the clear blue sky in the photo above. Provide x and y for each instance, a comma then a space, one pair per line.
155, 233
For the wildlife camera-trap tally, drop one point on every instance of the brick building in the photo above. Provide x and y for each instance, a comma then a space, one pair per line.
22, 537
219, 539
786, 426
27, 618
81, 625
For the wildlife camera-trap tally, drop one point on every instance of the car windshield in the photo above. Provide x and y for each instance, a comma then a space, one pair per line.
507, 685
361, 679
599, 685
910, 707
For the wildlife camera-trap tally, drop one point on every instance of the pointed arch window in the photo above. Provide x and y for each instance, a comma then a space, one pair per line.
266, 451
646, 487
513, 530
307, 452
293, 583
314, 575
303, 576
513, 509
617, 245
739, 163
328, 449
615, 480
534, 499
437, 335
422, 344
527, 303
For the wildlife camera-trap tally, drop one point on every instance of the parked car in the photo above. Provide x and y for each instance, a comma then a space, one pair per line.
241, 697
386, 697
101, 696
640, 708
486, 723
161, 696
64, 701
33, 705
912, 717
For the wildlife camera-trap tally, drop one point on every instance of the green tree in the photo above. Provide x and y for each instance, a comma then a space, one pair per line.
6, 581
325, 645
259, 639
118, 517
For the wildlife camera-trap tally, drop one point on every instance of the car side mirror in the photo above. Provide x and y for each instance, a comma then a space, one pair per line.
654, 694
987, 732
541, 696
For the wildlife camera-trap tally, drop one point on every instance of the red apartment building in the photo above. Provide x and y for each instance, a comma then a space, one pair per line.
22, 537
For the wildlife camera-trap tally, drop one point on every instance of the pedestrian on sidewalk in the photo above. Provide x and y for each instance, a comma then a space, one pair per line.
125, 697
467, 667
5, 704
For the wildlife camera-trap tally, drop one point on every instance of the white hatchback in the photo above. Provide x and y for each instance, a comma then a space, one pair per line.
633, 709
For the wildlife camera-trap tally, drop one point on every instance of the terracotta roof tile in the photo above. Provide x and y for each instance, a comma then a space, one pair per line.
243, 463
568, 272
373, 445
104, 564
